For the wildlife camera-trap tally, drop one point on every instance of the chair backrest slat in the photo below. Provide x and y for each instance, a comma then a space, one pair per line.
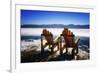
48, 36
68, 37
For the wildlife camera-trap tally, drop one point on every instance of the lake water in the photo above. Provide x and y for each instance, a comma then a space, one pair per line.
55, 31
31, 34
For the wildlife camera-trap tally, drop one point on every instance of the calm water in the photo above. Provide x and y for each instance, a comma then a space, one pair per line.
55, 31
84, 41
30, 34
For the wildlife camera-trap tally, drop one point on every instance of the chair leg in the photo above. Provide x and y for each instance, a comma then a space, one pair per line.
75, 51
61, 52
66, 50
42, 48
52, 51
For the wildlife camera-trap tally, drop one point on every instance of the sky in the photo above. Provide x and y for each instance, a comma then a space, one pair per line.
53, 17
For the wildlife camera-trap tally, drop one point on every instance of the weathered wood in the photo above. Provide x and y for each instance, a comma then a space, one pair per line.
69, 41
50, 42
67, 38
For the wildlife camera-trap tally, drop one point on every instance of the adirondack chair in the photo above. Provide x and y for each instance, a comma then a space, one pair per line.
69, 41
46, 35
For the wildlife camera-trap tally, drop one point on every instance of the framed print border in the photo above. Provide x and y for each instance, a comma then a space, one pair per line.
16, 66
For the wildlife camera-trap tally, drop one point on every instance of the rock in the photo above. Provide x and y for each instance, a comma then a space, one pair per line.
83, 55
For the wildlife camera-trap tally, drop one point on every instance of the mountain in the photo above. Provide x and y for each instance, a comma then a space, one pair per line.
54, 26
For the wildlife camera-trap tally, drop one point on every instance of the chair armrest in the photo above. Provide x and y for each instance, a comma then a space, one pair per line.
56, 39
77, 39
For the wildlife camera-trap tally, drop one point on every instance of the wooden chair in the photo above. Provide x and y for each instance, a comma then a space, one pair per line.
46, 35
69, 41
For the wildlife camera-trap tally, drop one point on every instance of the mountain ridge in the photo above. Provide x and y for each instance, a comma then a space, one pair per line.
54, 26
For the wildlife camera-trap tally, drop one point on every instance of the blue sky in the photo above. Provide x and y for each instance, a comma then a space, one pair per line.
53, 17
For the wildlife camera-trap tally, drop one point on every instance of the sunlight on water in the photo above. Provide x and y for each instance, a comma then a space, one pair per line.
55, 31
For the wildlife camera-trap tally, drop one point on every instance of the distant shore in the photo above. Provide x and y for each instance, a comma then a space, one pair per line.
55, 26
